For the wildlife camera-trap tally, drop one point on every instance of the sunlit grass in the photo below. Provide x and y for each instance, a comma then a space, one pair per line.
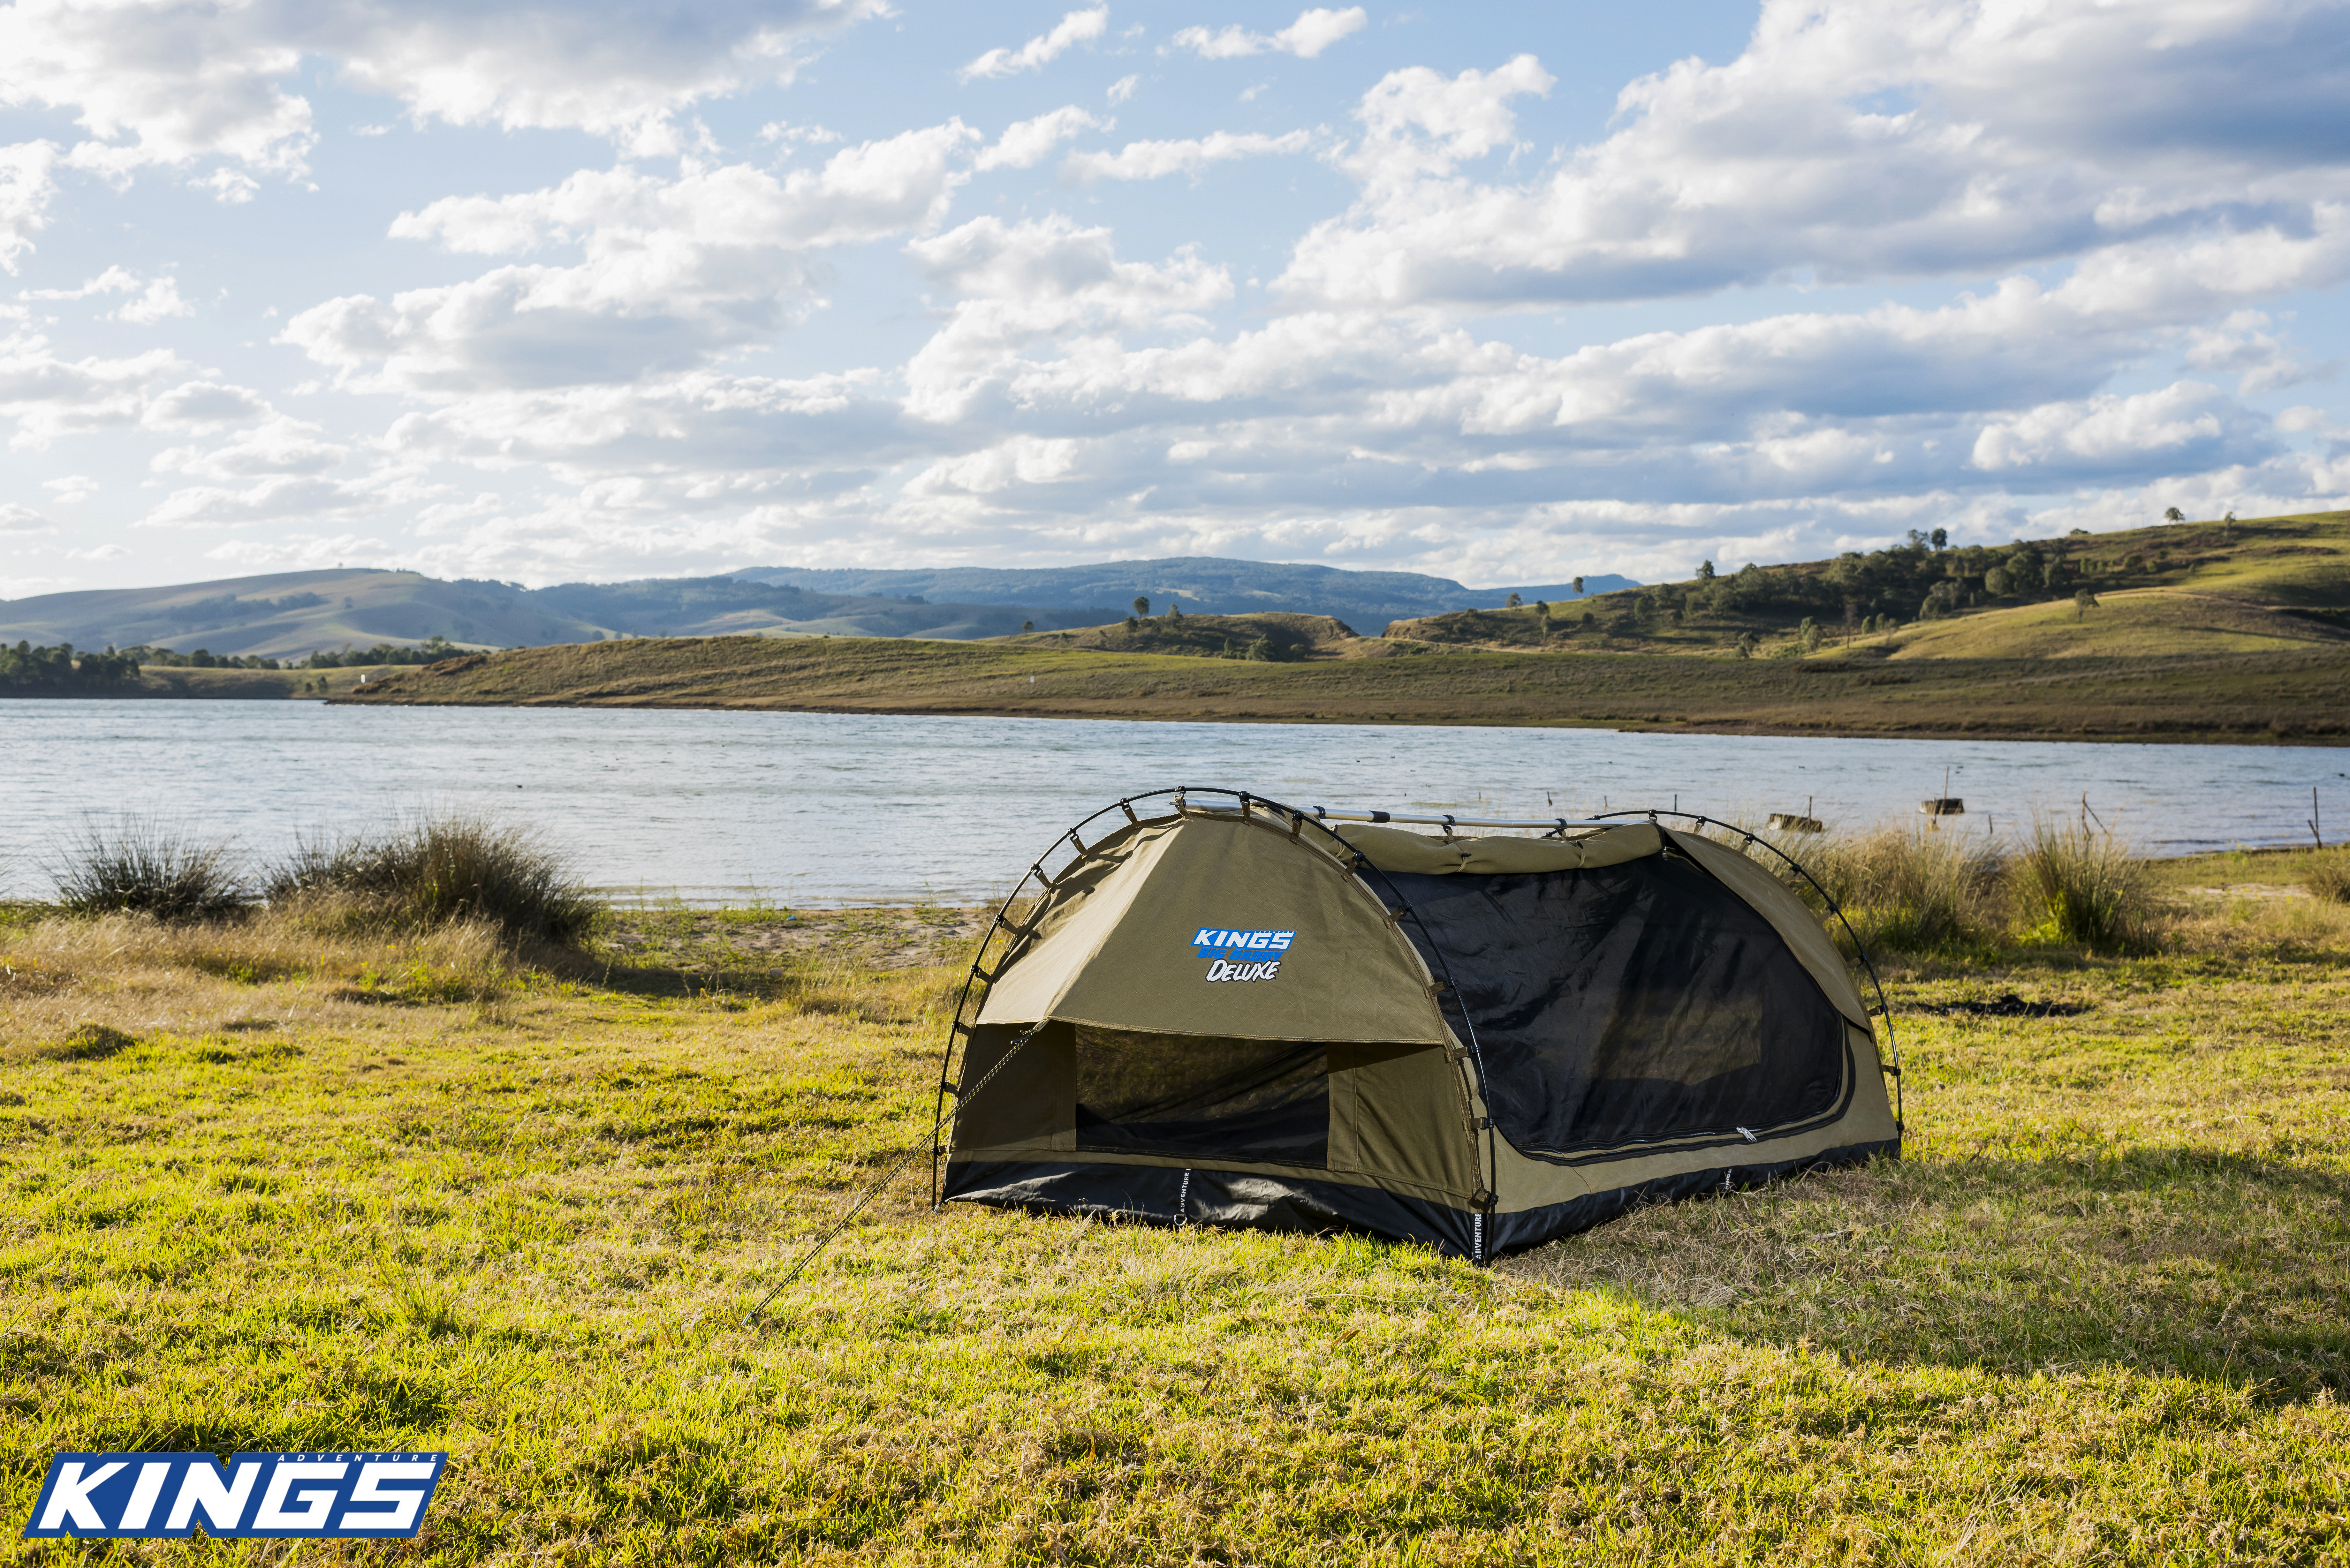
2094, 1317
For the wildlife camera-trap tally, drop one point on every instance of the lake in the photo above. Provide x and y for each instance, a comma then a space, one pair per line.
827, 809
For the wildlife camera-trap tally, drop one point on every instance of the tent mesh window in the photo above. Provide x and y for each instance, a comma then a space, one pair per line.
1632, 1003
1257, 1100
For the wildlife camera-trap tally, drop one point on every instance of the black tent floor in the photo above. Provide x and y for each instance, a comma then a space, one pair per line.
1172, 1196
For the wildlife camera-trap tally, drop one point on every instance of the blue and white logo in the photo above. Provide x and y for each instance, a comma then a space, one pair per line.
1242, 944
1242, 955
259, 1497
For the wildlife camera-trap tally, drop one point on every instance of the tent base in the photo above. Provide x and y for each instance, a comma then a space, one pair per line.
1524, 1228
1167, 1195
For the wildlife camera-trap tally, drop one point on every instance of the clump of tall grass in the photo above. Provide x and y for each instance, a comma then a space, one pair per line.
137, 865
1908, 889
434, 871
2328, 876
2085, 886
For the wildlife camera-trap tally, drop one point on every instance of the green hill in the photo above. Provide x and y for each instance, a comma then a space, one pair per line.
2270, 583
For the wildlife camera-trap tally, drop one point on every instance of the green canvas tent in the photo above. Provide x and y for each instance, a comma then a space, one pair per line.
1224, 1011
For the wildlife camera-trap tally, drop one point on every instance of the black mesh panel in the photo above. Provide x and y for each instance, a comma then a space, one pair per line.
1630, 1003
1255, 1100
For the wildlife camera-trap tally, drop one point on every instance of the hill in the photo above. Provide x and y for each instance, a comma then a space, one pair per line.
2303, 696
1198, 582
2184, 588
288, 615
291, 614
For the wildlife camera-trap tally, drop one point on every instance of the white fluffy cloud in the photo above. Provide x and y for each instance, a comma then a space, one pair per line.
1913, 138
1157, 159
1077, 27
26, 183
1313, 32
1030, 141
16, 519
672, 269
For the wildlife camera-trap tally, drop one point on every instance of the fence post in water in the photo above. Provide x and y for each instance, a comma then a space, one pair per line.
2314, 833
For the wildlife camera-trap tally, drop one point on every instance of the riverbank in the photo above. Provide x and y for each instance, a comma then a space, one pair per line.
2301, 698
278, 1191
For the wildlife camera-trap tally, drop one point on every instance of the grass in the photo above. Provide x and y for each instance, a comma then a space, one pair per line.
452, 867
322, 1199
2264, 697
137, 864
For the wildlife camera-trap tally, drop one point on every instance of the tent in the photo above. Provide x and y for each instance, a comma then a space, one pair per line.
1229, 1011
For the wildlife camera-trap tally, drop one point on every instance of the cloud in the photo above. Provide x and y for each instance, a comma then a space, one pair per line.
16, 519
1155, 159
1313, 32
1018, 284
49, 396
279, 446
159, 299
673, 270
73, 489
1031, 142
25, 187
1077, 27
1122, 89
202, 404
2180, 428
1848, 142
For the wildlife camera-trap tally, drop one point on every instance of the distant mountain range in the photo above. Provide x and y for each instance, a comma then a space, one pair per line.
1365, 600
287, 614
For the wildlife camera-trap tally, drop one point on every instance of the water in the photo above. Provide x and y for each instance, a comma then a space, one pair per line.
820, 808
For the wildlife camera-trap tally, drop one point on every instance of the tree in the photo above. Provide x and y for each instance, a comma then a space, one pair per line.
1579, 588
1996, 582
1027, 626
1811, 633
1514, 602
2052, 576
2083, 602
1940, 539
1705, 571
2174, 515
1746, 644
1174, 612
1141, 605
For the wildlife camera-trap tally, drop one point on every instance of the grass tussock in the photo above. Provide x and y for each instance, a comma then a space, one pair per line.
1909, 890
135, 864
461, 867
2084, 886
2328, 876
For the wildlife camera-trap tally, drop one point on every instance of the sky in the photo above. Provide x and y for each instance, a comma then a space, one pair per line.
1503, 292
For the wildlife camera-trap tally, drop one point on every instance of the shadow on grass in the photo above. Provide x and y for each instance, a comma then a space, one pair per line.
2166, 1261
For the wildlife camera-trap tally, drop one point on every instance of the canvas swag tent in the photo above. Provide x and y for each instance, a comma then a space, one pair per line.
1223, 1011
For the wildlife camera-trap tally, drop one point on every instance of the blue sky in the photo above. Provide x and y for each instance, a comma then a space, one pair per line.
1505, 292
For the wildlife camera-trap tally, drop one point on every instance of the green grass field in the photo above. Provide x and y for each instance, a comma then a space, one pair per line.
333, 1190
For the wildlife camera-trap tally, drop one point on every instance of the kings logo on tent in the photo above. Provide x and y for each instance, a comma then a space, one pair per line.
1242, 955
312, 1497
